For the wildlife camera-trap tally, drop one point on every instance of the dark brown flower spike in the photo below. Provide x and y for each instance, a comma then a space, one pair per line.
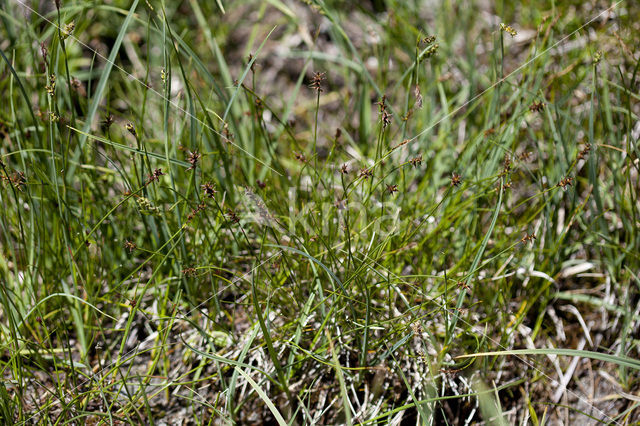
195, 211
316, 81
17, 179
44, 51
189, 272
463, 285
226, 134
155, 176
232, 216
456, 179
585, 151
506, 165
107, 122
537, 107
78, 87
528, 238
382, 103
525, 156
209, 190
404, 142
567, 181
391, 189
130, 246
365, 173
386, 119
193, 159
418, 96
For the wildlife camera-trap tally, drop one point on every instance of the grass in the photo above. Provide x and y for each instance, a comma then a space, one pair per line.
319, 212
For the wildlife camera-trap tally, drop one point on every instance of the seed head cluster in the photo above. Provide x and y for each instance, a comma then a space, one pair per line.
155, 176
537, 106
508, 29
384, 113
567, 181
107, 122
456, 179
316, 81
17, 179
585, 151
195, 211
130, 246
209, 190
193, 159
528, 238
366, 173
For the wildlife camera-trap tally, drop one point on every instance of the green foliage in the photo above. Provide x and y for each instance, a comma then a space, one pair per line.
314, 213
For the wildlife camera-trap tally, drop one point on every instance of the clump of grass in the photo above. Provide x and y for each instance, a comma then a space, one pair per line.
314, 214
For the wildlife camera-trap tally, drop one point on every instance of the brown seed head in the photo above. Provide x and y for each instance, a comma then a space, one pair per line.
107, 122
232, 216
17, 179
316, 81
130, 246
585, 151
366, 173
193, 159
418, 96
386, 118
528, 238
44, 51
189, 272
428, 40
300, 157
567, 181
525, 156
456, 179
537, 107
463, 285
195, 211
506, 164
155, 176
208, 190
382, 103
226, 134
